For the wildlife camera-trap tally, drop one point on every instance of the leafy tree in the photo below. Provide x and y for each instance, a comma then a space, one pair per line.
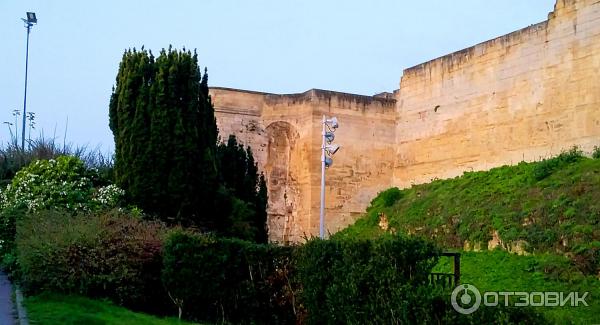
167, 155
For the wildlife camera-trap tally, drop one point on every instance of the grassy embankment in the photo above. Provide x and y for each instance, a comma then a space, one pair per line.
548, 209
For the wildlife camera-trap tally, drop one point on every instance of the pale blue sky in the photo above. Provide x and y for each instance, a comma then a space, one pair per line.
273, 46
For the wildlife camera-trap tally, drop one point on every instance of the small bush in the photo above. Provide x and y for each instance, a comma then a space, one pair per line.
586, 257
228, 280
61, 183
383, 281
8, 217
596, 152
108, 254
364, 281
390, 196
547, 166
387, 198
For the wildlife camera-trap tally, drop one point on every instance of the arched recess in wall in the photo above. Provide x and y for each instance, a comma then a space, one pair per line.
282, 188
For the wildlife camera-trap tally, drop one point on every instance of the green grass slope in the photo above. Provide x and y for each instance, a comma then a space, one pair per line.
548, 206
54, 309
549, 209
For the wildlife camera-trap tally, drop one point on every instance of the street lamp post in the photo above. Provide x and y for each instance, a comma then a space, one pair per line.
29, 22
327, 150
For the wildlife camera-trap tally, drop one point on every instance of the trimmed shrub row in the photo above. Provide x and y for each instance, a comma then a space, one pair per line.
229, 280
322, 281
204, 278
358, 281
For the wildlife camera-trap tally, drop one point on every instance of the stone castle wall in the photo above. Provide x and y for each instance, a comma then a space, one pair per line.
522, 96
284, 132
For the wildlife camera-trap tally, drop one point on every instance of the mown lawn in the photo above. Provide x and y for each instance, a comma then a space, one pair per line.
54, 309
501, 271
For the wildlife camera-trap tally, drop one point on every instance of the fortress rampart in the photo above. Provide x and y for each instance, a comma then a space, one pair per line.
521, 96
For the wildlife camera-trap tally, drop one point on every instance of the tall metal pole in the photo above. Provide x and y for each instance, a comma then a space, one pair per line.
25, 97
322, 218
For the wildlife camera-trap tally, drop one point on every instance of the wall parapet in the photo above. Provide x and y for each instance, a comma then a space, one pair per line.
456, 60
241, 90
315, 94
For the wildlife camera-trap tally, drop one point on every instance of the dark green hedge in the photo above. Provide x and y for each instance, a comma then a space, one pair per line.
229, 280
322, 281
361, 281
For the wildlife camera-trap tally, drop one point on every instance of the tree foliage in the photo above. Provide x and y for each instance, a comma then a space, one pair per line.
167, 155
239, 175
165, 136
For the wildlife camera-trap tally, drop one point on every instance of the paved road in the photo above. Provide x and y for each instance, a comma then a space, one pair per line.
7, 309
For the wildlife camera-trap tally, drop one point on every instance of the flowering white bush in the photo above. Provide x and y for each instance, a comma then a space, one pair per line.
108, 196
62, 183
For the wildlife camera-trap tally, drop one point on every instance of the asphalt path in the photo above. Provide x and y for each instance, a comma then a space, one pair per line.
7, 307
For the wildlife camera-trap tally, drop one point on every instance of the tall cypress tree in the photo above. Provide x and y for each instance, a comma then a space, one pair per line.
165, 136
166, 154
129, 107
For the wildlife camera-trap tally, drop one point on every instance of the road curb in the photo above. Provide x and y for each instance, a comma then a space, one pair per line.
21, 313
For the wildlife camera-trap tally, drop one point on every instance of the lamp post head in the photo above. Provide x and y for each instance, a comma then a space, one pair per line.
332, 123
332, 149
329, 137
31, 18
